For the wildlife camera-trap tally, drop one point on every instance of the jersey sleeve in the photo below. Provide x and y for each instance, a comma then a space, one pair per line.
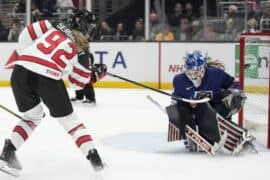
228, 80
34, 31
79, 76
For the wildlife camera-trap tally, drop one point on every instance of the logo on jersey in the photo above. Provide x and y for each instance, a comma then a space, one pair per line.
203, 94
52, 73
189, 88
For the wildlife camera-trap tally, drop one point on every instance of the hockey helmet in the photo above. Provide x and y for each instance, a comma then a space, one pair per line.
83, 21
194, 67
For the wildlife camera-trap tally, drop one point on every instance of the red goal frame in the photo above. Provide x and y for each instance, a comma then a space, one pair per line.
241, 76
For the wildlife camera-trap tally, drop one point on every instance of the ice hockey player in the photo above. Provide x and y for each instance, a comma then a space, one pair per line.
206, 125
52, 50
88, 92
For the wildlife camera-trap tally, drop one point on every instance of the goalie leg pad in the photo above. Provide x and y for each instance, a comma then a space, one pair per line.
179, 115
203, 143
237, 136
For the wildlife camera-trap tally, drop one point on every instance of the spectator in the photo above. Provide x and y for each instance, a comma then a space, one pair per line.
138, 33
155, 27
189, 13
120, 33
15, 30
252, 13
19, 7
230, 31
64, 6
235, 16
3, 32
174, 18
210, 33
36, 15
167, 35
265, 18
48, 7
184, 32
252, 25
105, 31
79, 4
38, 3
197, 31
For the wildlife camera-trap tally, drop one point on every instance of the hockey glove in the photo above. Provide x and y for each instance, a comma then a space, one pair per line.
98, 72
233, 99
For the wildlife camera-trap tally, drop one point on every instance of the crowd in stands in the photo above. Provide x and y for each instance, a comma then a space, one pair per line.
182, 23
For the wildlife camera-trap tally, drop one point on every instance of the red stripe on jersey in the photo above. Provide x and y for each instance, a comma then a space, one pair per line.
83, 139
74, 81
32, 32
81, 72
72, 131
38, 61
43, 26
21, 132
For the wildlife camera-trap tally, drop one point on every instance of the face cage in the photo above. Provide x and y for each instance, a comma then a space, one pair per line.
88, 29
195, 76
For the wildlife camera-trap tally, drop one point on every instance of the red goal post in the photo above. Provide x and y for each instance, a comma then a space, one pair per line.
253, 71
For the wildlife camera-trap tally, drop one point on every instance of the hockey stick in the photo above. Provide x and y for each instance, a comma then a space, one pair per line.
156, 103
10, 111
204, 100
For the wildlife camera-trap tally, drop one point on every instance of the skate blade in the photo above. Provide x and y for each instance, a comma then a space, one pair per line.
10, 171
101, 174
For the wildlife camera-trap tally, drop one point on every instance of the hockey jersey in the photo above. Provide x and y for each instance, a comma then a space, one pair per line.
52, 54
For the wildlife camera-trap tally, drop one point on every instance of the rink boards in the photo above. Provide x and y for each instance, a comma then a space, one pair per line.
151, 63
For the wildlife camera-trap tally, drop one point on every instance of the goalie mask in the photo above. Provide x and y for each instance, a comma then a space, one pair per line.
194, 67
83, 21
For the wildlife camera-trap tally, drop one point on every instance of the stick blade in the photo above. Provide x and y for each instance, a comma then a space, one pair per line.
196, 101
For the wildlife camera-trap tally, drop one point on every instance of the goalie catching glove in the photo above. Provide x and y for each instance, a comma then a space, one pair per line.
98, 72
234, 100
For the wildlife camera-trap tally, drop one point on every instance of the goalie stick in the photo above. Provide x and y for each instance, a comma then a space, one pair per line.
194, 135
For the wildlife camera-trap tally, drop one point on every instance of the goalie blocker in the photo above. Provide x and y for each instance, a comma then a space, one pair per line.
209, 130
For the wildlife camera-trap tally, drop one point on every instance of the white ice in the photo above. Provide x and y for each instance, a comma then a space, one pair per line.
130, 134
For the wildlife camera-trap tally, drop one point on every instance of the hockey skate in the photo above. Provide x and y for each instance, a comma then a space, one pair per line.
95, 160
246, 145
8, 160
89, 102
75, 99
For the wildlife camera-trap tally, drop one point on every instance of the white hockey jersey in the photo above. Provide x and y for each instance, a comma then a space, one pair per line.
51, 53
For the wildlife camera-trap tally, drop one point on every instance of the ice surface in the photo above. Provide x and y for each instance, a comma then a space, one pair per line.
130, 134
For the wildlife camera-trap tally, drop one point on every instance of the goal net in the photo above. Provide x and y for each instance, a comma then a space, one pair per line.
252, 67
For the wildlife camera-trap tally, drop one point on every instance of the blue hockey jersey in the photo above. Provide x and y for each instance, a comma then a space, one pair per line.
213, 81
